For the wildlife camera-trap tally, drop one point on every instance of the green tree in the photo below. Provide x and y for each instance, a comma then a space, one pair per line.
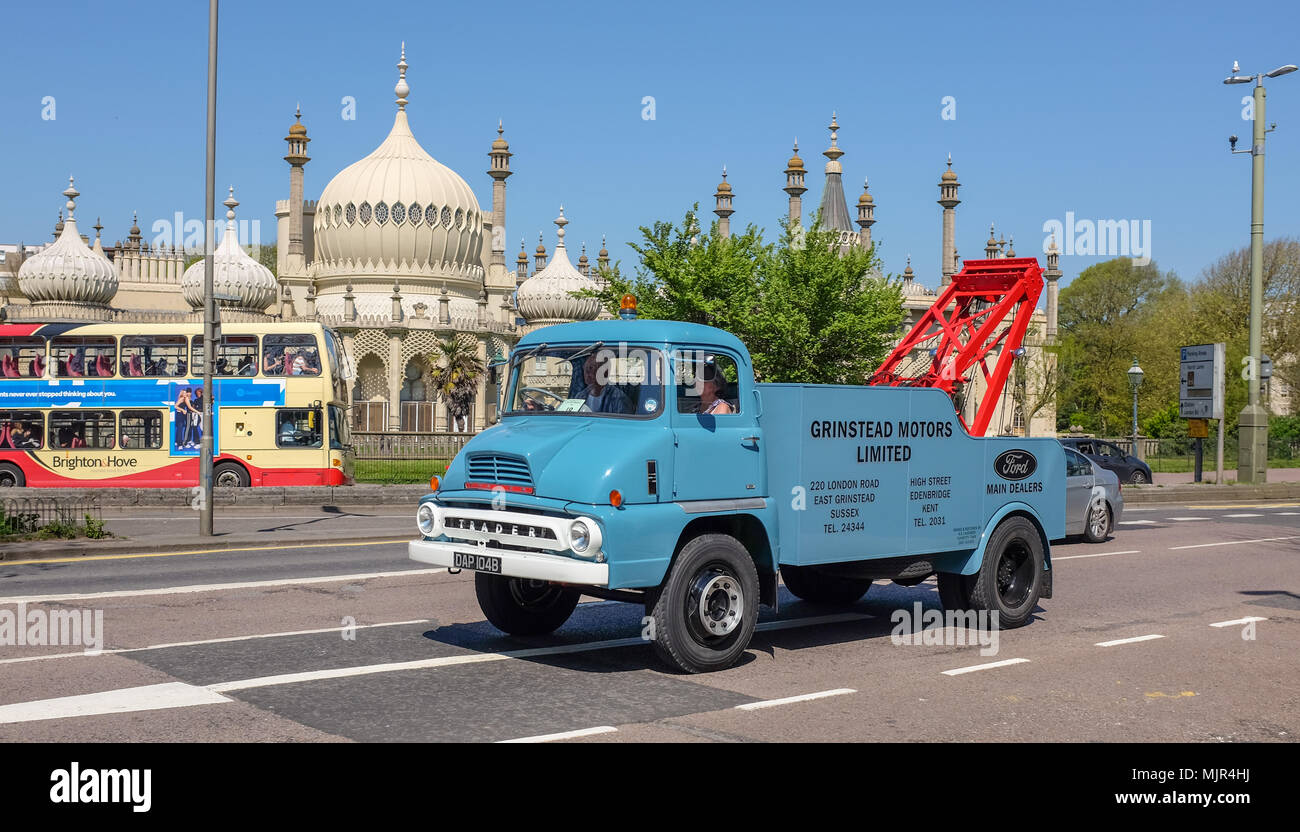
454, 377
806, 311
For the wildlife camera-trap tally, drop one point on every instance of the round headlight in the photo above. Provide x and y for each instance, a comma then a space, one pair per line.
426, 519
579, 536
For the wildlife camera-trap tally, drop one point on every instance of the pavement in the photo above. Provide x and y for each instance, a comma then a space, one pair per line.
1182, 627
1229, 476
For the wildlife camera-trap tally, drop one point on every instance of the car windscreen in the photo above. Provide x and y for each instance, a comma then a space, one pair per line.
586, 380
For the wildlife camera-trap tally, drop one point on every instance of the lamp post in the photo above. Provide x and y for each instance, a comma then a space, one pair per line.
1252, 457
209, 302
1134, 382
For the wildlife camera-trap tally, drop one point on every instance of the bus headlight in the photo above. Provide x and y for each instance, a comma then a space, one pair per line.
584, 536
426, 519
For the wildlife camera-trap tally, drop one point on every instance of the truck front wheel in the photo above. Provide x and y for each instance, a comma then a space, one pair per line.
1011, 577
524, 607
706, 610
808, 583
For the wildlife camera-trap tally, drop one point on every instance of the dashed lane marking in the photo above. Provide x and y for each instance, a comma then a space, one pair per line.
185, 590
988, 666
1243, 515
1187, 518
1137, 522
1250, 619
1097, 555
1133, 640
1235, 542
567, 735
806, 697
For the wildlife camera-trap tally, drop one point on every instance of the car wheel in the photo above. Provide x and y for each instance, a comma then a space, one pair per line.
1139, 477
1097, 525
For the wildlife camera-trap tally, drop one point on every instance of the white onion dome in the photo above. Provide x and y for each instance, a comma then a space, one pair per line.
67, 271
399, 210
238, 281
546, 297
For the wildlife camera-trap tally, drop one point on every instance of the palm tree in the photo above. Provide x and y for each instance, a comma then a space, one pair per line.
455, 376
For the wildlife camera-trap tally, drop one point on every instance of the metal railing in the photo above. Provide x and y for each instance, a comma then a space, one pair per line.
397, 457
1178, 454
27, 515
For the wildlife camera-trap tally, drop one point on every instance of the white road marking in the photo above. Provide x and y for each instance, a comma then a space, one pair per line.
124, 700
1128, 640
1234, 542
210, 641
1187, 518
771, 703
1243, 515
1286, 513
1237, 621
1137, 522
443, 661
566, 735
988, 666
1098, 555
185, 590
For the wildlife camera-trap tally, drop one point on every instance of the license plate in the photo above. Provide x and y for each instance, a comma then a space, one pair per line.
479, 563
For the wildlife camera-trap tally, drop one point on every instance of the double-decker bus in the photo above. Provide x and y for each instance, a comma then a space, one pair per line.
120, 404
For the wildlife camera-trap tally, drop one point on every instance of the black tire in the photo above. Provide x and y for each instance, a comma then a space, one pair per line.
228, 474
808, 583
1011, 577
11, 476
1098, 523
954, 591
524, 607
1138, 477
712, 585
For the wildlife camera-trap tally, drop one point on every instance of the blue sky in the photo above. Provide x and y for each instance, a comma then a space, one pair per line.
1108, 110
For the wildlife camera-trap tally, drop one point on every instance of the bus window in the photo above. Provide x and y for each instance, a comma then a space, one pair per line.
154, 355
141, 429
290, 355
90, 356
236, 356
22, 357
298, 428
340, 433
89, 429
20, 430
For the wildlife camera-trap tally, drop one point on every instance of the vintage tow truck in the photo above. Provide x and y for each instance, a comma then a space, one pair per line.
638, 460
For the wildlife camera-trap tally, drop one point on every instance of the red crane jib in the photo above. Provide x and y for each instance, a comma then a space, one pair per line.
984, 311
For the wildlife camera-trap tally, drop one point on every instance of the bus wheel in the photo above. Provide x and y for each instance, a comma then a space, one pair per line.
229, 474
524, 607
706, 610
11, 476
811, 585
1011, 577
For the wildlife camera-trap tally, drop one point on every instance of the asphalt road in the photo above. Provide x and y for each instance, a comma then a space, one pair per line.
258, 645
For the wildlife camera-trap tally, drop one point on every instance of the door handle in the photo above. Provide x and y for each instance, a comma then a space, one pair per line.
751, 439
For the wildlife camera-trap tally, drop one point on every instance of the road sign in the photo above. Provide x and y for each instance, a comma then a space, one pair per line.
1200, 382
1198, 428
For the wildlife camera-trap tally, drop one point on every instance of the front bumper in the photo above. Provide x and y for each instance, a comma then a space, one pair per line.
535, 565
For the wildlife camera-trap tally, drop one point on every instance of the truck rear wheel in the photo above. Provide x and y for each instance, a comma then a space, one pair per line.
524, 607
706, 610
810, 584
1011, 577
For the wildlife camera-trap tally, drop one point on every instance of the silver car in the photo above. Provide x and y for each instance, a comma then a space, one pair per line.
1094, 500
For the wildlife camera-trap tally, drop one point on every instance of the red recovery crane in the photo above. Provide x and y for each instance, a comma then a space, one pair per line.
963, 327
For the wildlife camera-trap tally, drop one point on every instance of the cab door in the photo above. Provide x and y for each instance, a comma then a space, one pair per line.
715, 428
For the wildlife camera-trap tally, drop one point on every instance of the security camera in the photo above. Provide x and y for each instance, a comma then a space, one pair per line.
1232, 142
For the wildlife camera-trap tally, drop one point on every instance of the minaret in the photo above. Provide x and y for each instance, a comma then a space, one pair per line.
499, 170
539, 256
58, 226
296, 262
866, 217
722, 198
1002, 245
1052, 275
908, 277
794, 172
991, 247
521, 265
584, 265
1011, 246
602, 259
834, 208
948, 186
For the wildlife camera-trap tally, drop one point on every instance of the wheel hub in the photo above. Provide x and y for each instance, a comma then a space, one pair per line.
717, 602
1015, 571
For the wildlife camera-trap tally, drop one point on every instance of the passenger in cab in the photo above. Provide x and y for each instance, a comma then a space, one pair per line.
712, 385
600, 396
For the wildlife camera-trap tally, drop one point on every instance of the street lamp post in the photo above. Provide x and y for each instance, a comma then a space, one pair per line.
209, 302
1134, 382
1252, 455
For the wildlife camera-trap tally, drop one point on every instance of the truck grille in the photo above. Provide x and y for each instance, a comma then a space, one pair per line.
506, 470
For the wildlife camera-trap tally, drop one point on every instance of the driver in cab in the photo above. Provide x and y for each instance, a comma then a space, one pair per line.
598, 394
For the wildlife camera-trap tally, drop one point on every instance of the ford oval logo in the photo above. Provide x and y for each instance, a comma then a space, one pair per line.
1015, 465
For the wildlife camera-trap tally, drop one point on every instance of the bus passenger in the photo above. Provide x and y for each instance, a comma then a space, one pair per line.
181, 421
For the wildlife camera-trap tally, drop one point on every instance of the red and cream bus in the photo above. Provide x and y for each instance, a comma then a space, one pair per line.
116, 404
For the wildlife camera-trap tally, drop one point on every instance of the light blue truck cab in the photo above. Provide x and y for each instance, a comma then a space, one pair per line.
640, 461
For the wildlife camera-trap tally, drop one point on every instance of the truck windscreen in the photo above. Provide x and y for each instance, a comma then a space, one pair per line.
615, 380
